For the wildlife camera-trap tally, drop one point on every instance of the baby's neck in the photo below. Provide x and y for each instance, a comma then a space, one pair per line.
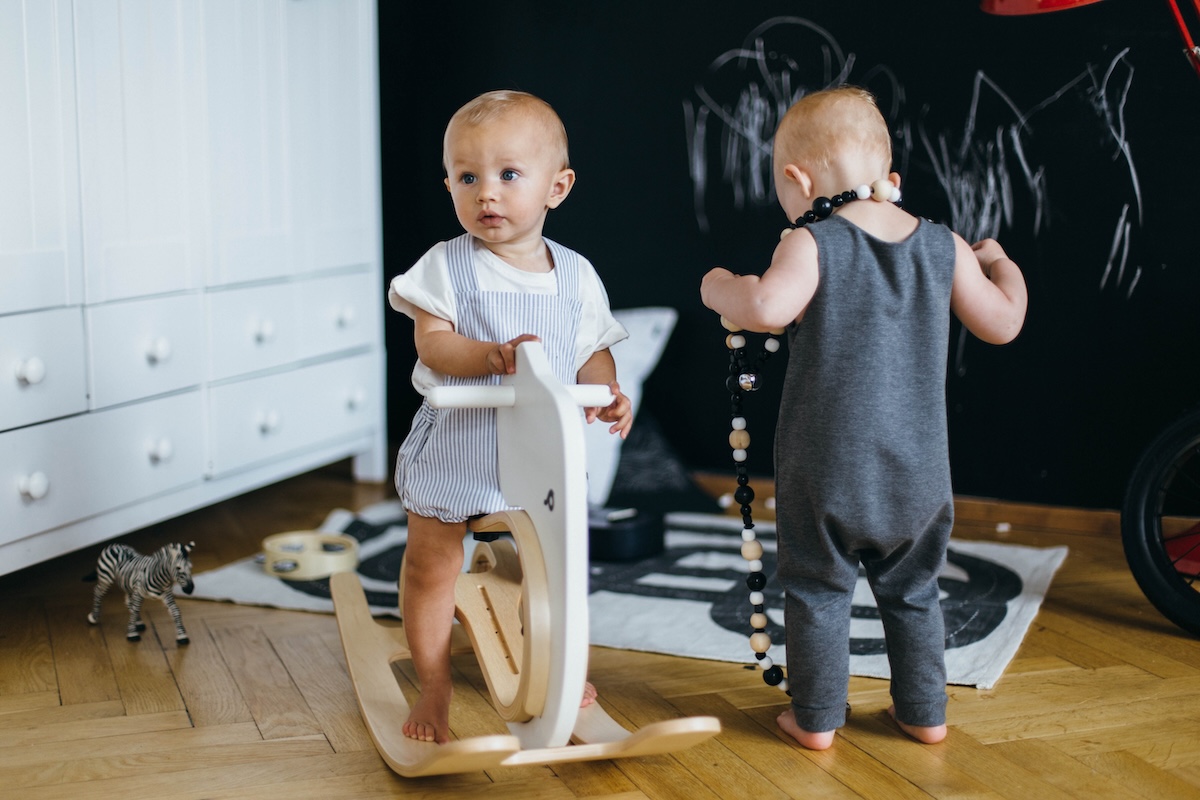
532, 258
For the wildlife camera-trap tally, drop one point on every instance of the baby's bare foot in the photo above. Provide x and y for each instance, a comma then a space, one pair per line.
925, 734
813, 741
589, 695
429, 720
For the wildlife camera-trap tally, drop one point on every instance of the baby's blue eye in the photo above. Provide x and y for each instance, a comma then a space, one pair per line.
467, 178
508, 175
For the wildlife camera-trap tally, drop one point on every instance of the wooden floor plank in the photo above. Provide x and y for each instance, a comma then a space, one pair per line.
263, 680
322, 678
26, 661
83, 669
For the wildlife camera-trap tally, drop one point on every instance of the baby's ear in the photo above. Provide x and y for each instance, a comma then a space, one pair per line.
801, 176
563, 183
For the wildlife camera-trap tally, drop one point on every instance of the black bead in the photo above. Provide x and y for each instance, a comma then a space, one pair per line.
760, 656
810, 216
731, 383
838, 201
744, 495
760, 609
822, 207
756, 581
747, 511
850, 195
773, 676
743, 479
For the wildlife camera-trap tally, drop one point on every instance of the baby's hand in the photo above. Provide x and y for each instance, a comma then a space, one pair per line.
709, 285
988, 251
502, 359
619, 412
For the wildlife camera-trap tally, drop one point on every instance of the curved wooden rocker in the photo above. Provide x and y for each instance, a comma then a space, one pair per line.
523, 609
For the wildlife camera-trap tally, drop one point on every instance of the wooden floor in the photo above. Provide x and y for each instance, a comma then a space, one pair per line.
1102, 700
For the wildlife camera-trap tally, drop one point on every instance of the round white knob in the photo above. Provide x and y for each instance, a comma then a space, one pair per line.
160, 450
159, 350
264, 331
345, 316
356, 399
268, 422
30, 371
34, 485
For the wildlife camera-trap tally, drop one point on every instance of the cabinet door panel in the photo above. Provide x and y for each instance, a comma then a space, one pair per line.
246, 101
40, 264
338, 313
332, 131
141, 150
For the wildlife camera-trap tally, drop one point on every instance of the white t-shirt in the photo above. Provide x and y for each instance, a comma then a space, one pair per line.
426, 285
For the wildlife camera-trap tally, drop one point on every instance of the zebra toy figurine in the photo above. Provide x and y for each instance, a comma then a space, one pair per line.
144, 576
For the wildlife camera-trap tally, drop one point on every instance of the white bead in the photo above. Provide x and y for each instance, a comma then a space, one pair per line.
738, 423
737, 340
747, 534
757, 598
895, 194
756, 565
863, 192
785, 232
771, 345
783, 685
766, 663
739, 455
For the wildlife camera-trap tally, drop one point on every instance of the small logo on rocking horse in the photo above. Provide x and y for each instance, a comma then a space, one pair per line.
549, 501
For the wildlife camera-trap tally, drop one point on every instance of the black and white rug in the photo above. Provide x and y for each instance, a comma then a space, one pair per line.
692, 601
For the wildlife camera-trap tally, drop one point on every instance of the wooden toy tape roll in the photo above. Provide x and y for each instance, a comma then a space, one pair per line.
308, 555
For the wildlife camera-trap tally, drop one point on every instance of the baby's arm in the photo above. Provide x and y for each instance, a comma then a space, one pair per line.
776, 299
444, 350
988, 295
600, 368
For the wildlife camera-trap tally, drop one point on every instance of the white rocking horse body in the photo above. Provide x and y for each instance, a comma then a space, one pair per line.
524, 610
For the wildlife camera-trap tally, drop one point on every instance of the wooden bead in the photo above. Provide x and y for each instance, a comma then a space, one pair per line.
758, 620
752, 550
881, 190
729, 326
739, 439
760, 642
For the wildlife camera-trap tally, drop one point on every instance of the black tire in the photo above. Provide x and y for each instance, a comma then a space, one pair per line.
1160, 522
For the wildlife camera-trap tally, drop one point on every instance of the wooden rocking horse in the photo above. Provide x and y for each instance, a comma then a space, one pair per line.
523, 609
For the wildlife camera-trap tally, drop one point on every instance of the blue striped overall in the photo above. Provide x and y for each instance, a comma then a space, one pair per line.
447, 466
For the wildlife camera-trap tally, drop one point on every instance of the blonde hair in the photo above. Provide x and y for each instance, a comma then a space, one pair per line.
503, 102
825, 127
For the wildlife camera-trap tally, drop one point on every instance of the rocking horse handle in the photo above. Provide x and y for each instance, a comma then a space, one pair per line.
588, 395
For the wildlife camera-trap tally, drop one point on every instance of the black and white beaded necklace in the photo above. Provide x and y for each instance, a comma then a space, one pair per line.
744, 377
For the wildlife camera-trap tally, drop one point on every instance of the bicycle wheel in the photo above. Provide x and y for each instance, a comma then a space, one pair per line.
1160, 522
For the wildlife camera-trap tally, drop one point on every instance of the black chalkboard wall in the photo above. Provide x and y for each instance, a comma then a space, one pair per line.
1072, 137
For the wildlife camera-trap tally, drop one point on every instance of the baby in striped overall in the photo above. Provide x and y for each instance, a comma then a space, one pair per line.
473, 299
862, 466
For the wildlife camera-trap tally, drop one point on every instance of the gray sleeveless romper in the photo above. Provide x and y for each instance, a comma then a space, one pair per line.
862, 467
447, 466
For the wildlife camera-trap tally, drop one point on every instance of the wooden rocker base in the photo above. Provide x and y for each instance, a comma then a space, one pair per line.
372, 648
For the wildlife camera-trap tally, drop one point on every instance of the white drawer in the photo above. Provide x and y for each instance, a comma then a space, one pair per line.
41, 367
262, 418
63, 471
146, 347
251, 329
338, 313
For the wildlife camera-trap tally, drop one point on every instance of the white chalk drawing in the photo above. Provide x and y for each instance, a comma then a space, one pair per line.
987, 167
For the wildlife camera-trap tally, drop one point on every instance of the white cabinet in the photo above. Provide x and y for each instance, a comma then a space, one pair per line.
190, 278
